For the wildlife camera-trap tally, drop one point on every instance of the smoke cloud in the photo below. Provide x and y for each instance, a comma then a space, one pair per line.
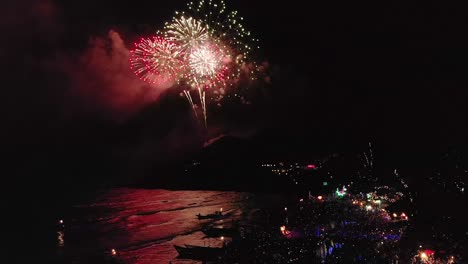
102, 80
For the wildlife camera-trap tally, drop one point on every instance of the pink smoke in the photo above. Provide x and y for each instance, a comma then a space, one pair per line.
102, 80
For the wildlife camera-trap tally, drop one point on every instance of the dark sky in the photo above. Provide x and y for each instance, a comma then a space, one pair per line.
342, 73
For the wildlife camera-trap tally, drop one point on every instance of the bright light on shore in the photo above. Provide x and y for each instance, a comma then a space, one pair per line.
423, 256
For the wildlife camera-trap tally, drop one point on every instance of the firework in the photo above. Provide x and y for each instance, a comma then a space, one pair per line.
216, 47
206, 46
188, 33
226, 30
208, 62
225, 27
210, 22
204, 61
208, 68
156, 57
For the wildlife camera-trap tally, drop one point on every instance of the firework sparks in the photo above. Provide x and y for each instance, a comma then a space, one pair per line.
188, 33
225, 27
201, 94
207, 65
156, 57
205, 61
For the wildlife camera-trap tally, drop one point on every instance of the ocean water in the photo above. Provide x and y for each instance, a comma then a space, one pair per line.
142, 225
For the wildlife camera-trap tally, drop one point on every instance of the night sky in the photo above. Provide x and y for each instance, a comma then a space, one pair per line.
342, 73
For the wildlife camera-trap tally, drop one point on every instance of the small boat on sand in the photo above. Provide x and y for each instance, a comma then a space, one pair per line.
199, 252
215, 215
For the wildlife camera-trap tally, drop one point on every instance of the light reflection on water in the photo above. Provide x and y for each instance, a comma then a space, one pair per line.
143, 225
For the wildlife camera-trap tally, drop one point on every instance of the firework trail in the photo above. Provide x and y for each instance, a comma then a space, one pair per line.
201, 94
189, 98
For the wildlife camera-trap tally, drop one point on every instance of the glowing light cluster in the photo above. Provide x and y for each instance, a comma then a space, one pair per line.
341, 193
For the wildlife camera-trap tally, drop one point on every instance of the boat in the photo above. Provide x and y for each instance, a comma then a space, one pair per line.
199, 252
216, 215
